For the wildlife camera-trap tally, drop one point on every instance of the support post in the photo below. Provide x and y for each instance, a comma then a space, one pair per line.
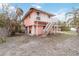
37, 29
28, 29
33, 30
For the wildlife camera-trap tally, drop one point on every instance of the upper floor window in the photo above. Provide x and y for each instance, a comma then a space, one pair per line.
38, 18
38, 13
29, 16
48, 16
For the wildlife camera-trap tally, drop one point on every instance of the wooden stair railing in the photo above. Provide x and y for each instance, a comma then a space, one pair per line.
48, 28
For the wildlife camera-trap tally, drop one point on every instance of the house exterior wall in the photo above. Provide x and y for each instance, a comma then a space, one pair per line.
32, 17
28, 22
39, 30
43, 17
36, 28
33, 30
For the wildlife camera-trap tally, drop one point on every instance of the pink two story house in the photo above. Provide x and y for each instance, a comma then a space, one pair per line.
35, 21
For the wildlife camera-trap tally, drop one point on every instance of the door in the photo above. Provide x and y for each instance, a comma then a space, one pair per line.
30, 29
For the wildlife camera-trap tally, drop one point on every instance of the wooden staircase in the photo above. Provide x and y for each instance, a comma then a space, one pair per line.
48, 28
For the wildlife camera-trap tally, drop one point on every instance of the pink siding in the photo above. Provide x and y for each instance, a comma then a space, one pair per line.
39, 30
28, 22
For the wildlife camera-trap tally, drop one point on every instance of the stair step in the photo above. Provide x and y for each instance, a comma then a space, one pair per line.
48, 28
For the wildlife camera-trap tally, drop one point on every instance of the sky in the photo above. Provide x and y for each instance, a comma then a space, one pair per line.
59, 9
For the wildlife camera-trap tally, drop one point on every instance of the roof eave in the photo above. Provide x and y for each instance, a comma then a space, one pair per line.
26, 14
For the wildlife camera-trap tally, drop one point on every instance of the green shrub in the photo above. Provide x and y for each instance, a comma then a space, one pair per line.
65, 28
2, 23
2, 40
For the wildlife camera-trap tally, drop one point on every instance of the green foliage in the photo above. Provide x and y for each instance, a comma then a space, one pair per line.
2, 40
2, 20
9, 24
13, 26
2, 23
74, 21
65, 28
10, 20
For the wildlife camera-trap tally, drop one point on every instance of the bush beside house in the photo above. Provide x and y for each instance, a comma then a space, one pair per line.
65, 28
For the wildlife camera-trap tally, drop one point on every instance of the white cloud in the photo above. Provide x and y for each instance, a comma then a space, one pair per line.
12, 8
37, 6
0, 5
61, 14
3, 4
6, 4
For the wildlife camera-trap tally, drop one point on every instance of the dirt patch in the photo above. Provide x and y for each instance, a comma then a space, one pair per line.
52, 45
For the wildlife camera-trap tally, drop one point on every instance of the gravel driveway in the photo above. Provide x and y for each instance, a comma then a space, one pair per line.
62, 44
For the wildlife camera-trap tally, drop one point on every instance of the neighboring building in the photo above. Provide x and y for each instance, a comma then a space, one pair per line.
38, 22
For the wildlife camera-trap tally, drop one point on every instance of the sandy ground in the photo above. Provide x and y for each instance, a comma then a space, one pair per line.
63, 44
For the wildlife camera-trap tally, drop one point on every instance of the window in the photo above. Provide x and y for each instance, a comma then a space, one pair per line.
48, 16
38, 18
29, 16
38, 13
43, 27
